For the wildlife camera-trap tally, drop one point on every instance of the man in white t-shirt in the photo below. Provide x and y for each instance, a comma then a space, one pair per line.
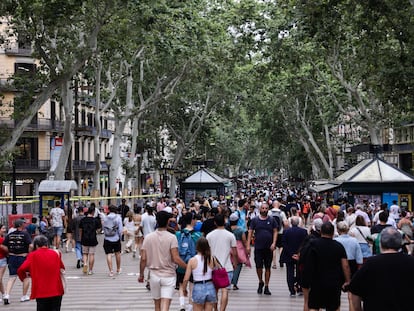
148, 221
283, 221
223, 245
390, 221
159, 253
395, 211
57, 215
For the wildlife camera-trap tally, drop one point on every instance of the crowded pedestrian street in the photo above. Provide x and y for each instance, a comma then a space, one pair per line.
123, 292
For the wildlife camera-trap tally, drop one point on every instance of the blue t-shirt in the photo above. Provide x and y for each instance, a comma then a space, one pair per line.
263, 231
242, 219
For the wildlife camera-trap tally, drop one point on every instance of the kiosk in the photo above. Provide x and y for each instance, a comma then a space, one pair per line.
54, 190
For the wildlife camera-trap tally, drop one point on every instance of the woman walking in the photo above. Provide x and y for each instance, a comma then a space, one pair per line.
200, 267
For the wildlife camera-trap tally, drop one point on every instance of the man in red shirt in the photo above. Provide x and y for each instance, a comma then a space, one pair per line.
47, 288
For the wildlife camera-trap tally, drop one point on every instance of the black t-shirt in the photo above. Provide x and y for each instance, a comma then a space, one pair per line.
18, 242
378, 228
385, 283
89, 225
208, 226
323, 266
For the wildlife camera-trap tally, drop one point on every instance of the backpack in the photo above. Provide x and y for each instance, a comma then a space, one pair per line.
110, 226
278, 219
376, 245
186, 246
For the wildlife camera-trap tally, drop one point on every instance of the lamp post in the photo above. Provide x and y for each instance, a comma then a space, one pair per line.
164, 176
14, 205
108, 159
139, 174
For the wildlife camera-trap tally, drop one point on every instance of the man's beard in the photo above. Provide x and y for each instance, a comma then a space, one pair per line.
263, 214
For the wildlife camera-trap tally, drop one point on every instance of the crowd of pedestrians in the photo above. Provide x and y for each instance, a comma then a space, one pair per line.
326, 247
323, 244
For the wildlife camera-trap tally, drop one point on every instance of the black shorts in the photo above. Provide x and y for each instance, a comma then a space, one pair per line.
279, 240
180, 277
324, 298
263, 257
112, 247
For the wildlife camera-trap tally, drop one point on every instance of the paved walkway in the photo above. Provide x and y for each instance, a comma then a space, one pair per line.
123, 292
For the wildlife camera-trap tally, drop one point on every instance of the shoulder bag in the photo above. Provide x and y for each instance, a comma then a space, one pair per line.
219, 275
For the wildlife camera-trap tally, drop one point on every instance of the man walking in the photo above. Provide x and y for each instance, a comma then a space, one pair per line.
326, 272
223, 245
159, 253
57, 215
88, 226
292, 240
265, 230
380, 287
123, 209
45, 267
77, 237
112, 227
17, 244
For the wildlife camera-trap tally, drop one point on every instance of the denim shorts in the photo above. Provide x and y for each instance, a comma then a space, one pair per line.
58, 231
204, 292
3, 262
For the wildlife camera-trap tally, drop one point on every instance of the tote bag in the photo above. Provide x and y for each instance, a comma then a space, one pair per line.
220, 276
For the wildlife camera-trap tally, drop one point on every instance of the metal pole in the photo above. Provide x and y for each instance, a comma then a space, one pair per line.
139, 174
109, 185
14, 205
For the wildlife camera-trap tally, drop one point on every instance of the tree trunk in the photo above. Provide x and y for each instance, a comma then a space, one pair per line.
67, 101
96, 190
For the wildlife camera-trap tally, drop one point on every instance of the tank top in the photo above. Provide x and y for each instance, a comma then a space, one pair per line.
198, 272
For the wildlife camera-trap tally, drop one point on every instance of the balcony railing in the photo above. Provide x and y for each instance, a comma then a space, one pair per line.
32, 164
36, 125
86, 130
44, 165
15, 51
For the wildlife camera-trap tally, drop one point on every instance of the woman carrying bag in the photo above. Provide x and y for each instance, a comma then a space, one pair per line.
201, 267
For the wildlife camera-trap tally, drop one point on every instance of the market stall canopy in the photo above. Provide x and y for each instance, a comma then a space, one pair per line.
63, 186
375, 175
205, 176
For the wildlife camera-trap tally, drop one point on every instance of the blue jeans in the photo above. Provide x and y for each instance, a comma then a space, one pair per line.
236, 274
78, 250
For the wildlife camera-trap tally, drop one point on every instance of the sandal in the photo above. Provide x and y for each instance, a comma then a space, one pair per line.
111, 273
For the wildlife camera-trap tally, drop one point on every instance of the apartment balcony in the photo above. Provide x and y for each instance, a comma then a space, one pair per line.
18, 51
31, 164
39, 125
91, 131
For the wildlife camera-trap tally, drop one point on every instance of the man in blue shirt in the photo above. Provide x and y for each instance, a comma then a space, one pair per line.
265, 230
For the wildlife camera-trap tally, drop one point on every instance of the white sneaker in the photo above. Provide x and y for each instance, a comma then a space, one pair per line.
6, 299
24, 298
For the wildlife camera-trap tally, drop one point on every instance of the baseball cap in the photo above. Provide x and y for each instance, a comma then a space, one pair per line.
234, 217
19, 222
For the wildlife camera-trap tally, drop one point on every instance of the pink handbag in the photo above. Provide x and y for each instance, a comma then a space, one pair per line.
219, 276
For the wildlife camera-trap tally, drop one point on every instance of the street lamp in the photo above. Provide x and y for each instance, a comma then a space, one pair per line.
108, 160
14, 205
138, 174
